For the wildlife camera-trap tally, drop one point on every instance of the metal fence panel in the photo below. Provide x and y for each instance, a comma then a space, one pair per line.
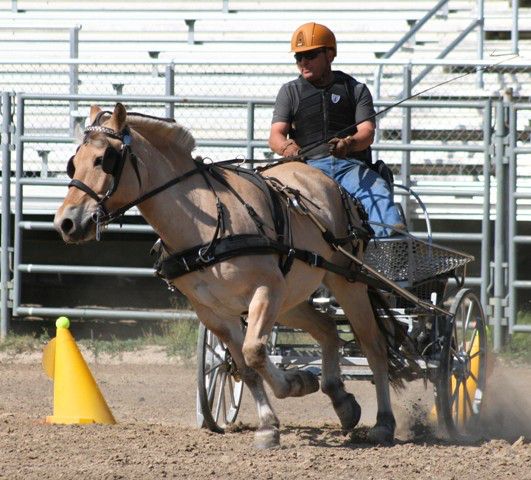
439, 143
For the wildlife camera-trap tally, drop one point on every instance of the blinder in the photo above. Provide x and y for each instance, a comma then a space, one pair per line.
70, 168
109, 162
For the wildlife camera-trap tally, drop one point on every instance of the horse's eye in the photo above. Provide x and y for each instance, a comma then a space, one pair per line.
98, 161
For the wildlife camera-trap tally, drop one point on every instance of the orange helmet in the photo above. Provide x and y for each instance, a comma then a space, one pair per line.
312, 35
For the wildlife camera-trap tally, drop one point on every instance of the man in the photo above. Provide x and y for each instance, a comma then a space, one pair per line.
315, 114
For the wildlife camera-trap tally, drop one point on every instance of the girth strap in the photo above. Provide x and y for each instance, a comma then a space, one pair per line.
195, 259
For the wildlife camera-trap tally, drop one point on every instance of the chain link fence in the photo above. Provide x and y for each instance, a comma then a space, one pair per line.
228, 122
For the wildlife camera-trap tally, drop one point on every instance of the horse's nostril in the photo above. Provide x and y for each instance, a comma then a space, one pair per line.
67, 225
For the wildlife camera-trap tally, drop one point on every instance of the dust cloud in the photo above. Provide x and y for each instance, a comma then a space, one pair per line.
507, 405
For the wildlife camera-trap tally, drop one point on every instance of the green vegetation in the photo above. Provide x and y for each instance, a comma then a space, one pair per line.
114, 347
179, 339
519, 347
15, 344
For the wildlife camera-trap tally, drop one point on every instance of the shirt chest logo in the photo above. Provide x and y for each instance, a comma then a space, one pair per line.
335, 97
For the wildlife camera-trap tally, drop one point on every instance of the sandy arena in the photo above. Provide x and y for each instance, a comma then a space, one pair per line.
153, 400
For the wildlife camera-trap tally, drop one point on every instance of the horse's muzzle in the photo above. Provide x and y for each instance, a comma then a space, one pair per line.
74, 226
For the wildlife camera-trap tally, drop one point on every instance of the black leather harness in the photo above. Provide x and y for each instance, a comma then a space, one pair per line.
280, 198
191, 260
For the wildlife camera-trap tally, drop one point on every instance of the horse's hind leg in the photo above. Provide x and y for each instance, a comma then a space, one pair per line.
354, 299
230, 332
323, 329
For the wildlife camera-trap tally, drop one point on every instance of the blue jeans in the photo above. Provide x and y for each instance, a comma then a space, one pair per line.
367, 186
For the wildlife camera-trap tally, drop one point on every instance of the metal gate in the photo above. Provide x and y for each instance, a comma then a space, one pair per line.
493, 159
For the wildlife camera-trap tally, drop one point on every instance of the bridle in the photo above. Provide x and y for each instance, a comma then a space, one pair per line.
112, 162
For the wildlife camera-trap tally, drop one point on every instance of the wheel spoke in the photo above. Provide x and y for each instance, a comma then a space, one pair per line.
213, 351
476, 354
212, 387
456, 389
468, 403
473, 377
231, 386
474, 335
470, 309
454, 354
224, 399
462, 341
455, 336
214, 367
455, 399
220, 398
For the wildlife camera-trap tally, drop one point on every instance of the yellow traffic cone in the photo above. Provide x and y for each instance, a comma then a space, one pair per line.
76, 396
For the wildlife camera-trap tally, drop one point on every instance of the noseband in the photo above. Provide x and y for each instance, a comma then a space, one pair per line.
112, 163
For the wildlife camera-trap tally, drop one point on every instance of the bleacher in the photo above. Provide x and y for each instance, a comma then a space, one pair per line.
237, 48
174, 29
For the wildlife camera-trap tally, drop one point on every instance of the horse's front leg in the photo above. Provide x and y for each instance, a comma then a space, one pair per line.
263, 313
323, 328
230, 332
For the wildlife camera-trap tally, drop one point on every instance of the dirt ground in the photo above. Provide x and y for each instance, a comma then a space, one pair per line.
153, 400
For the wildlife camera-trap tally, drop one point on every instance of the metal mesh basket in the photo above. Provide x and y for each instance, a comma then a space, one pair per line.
409, 260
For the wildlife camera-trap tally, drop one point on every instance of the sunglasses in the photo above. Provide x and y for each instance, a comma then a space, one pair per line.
308, 55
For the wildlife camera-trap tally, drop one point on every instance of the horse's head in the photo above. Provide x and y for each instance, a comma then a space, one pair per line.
105, 176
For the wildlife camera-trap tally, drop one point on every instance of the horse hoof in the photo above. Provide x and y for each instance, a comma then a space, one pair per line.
381, 435
348, 411
310, 382
303, 383
267, 438
298, 383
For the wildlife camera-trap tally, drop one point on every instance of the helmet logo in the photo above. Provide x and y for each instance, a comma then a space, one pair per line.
335, 97
299, 42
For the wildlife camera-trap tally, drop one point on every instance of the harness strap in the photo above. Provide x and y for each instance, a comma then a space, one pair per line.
220, 222
250, 210
76, 183
194, 259
174, 181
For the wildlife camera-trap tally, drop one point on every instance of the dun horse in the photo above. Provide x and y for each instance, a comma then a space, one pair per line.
128, 159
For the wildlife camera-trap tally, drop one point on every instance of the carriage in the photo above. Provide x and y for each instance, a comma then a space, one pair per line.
248, 249
451, 344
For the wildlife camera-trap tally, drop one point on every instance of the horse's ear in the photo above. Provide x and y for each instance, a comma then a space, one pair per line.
118, 117
94, 110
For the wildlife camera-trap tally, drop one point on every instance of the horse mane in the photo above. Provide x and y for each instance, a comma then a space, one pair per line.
161, 132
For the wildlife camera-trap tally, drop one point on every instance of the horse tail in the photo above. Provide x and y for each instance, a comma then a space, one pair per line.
400, 350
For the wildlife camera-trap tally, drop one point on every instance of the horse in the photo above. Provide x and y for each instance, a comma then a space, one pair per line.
130, 159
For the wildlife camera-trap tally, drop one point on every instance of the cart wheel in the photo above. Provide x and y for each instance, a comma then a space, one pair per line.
219, 389
460, 385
